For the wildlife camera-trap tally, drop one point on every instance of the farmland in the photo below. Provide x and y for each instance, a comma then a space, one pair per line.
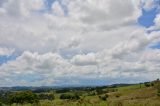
144, 94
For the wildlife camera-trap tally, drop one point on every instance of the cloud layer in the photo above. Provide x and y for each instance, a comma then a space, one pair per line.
77, 42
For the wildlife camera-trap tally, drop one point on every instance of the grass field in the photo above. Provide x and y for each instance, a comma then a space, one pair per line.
134, 95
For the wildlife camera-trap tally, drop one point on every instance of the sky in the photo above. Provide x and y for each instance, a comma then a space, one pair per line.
79, 42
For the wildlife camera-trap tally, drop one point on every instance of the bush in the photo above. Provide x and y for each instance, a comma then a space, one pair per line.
158, 94
5, 97
147, 84
104, 97
152, 84
117, 95
100, 91
92, 93
158, 87
69, 96
44, 96
62, 90
1, 104
118, 103
23, 97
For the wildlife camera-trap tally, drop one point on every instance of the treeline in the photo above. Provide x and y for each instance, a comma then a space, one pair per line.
70, 96
23, 97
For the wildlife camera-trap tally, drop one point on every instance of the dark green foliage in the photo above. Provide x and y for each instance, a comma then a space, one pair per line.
118, 103
158, 90
44, 96
104, 97
40, 90
92, 93
157, 86
62, 90
4, 96
111, 90
147, 84
1, 104
69, 96
158, 94
100, 91
117, 95
23, 97
152, 84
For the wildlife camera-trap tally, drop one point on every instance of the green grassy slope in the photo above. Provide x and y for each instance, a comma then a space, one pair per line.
134, 95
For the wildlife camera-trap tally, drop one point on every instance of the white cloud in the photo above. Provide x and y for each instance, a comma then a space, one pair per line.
134, 44
109, 13
22, 8
2, 11
149, 4
82, 60
157, 20
90, 40
40, 67
6, 51
57, 9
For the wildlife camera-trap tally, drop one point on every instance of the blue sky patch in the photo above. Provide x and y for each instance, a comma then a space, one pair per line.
147, 18
49, 3
5, 59
156, 46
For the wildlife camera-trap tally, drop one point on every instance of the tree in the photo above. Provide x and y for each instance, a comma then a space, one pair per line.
44, 96
1, 104
158, 87
104, 97
23, 97
69, 96
100, 91
147, 84
158, 94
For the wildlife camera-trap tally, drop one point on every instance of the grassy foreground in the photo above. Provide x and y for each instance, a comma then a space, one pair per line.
134, 95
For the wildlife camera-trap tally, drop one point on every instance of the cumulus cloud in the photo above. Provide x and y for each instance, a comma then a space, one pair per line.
22, 8
82, 60
40, 67
157, 20
57, 9
76, 42
149, 4
6, 51
157, 24
109, 13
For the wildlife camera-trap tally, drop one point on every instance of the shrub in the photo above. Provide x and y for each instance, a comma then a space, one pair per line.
69, 96
118, 103
158, 87
100, 91
44, 96
62, 91
117, 95
4, 97
152, 84
23, 97
104, 97
158, 94
147, 84
1, 104
92, 93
